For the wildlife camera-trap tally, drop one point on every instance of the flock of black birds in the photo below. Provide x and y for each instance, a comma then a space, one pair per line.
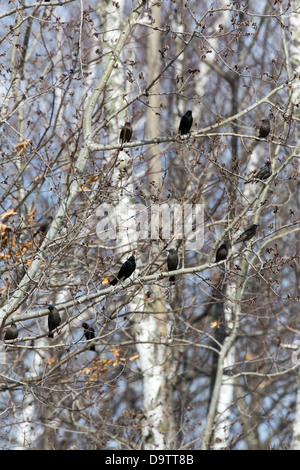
129, 266
54, 320
223, 250
184, 127
262, 174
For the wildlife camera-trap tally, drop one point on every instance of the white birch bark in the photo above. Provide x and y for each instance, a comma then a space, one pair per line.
152, 347
226, 392
152, 329
223, 424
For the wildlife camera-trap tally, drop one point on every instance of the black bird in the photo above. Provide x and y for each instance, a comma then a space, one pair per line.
222, 252
53, 320
44, 227
126, 270
185, 123
172, 263
11, 332
264, 129
247, 234
126, 133
262, 174
89, 333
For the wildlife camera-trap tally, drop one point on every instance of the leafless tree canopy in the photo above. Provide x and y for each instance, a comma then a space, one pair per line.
211, 360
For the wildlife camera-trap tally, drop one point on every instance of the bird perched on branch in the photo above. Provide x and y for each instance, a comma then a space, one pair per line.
89, 333
54, 320
11, 332
126, 133
126, 270
172, 263
263, 174
43, 229
185, 123
247, 234
264, 129
222, 252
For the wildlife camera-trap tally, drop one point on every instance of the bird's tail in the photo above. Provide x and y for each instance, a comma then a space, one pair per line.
172, 279
50, 335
